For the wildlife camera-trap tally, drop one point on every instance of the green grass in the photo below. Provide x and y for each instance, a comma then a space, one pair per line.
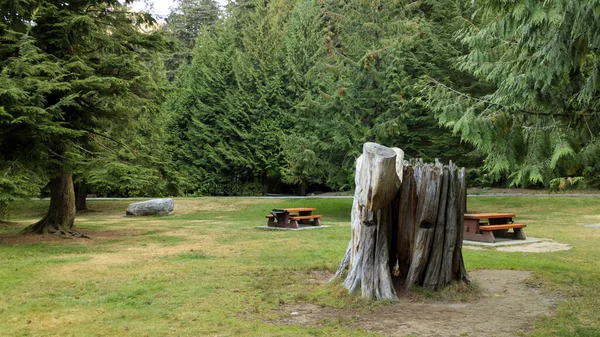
208, 271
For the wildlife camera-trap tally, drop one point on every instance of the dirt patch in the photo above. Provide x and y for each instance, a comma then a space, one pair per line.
509, 301
22, 239
544, 246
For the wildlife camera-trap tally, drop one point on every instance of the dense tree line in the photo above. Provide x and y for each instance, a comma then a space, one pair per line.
269, 96
285, 92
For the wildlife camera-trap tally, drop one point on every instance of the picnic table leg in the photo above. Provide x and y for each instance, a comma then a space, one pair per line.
470, 230
488, 236
271, 222
503, 233
290, 223
282, 219
304, 221
518, 234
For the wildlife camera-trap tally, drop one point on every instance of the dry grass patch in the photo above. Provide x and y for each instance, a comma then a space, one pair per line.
188, 206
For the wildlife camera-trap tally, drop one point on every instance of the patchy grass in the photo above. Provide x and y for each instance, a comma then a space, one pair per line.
207, 270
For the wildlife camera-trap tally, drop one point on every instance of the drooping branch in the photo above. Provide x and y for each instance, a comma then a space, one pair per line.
488, 102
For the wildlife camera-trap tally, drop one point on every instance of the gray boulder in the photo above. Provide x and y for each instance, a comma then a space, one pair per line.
151, 207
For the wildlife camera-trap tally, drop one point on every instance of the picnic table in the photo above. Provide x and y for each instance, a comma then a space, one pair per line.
293, 217
486, 227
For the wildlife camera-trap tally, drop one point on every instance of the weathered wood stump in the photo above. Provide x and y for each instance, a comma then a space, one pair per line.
407, 221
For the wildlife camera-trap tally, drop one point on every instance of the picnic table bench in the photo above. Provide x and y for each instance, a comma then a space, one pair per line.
293, 217
476, 227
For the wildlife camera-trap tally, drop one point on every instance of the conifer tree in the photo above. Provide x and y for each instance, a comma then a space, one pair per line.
226, 117
184, 24
364, 83
71, 73
538, 122
290, 90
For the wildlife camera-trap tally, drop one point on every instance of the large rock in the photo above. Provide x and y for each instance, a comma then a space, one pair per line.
151, 207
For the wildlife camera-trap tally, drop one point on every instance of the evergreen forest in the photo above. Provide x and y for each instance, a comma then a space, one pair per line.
277, 96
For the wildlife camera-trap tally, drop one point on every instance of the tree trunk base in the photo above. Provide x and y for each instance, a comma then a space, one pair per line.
61, 213
44, 227
44, 230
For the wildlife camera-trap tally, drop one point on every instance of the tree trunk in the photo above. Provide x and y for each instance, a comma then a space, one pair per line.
303, 187
265, 183
406, 225
61, 214
80, 198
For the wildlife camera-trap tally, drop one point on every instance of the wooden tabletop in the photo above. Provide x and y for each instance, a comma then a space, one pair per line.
297, 209
489, 215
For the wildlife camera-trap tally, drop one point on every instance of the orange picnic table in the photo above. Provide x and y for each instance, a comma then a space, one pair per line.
293, 217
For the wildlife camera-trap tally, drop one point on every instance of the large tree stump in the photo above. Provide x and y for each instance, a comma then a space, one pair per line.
407, 221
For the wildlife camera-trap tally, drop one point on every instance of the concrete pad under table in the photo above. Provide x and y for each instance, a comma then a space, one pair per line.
300, 227
501, 242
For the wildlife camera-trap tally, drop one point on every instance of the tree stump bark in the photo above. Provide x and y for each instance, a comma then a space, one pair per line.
407, 221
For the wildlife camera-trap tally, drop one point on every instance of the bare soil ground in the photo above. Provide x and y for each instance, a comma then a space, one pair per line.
542, 246
536, 247
19, 239
509, 302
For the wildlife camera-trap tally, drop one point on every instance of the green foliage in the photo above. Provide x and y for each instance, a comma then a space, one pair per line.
16, 182
184, 24
225, 124
539, 118
77, 83
562, 184
291, 90
363, 61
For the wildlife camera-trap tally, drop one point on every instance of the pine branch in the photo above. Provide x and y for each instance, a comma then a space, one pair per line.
112, 139
501, 106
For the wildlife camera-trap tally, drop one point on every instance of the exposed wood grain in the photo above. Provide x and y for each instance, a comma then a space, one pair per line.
406, 222
452, 208
376, 179
382, 277
434, 266
407, 233
458, 265
427, 209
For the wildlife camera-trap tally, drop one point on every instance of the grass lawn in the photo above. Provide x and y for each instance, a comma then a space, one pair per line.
207, 271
